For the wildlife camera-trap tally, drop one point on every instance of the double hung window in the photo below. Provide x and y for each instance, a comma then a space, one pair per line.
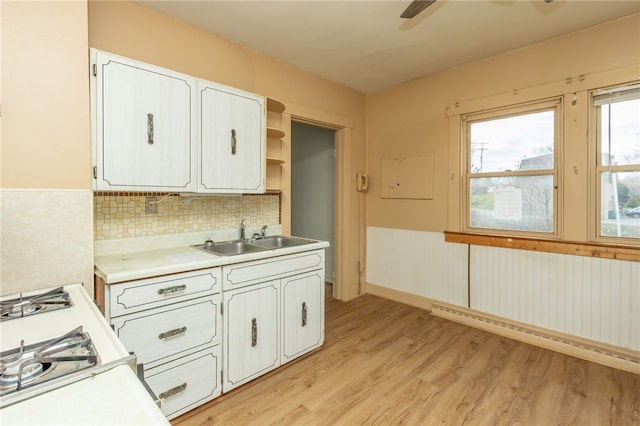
617, 130
512, 169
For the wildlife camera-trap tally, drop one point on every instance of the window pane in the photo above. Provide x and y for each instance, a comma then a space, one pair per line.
513, 143
625, 133
620, 189
523, 203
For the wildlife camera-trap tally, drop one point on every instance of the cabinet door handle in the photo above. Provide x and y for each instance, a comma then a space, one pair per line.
173, 289
173, 391
172, 333
150, 129
233, 142
254, 333
304, 314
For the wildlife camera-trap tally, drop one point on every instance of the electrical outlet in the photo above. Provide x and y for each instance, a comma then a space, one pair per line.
150, 205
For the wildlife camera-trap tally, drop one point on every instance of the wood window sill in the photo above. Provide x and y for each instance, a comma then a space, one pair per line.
550, 246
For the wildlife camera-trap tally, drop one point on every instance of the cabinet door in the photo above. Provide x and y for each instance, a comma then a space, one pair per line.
144, 126
251, 333
232, 141
302, 298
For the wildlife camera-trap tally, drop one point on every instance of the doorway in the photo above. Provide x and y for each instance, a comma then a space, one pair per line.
313, 186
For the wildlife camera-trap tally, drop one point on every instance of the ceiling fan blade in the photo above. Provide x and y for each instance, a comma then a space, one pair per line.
416, 7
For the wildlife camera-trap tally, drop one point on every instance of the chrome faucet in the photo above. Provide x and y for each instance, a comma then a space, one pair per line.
242, 229
263, 231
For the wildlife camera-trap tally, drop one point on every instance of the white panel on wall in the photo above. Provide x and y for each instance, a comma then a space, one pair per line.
417, 262
594, 298
47, 239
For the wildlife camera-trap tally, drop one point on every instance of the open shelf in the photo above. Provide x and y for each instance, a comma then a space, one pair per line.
272, 132
271, 160
275, 134
275, 105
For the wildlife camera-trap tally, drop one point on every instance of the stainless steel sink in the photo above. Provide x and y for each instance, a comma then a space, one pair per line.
279, 242
232, 248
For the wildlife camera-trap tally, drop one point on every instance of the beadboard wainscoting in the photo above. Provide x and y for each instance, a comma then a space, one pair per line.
598, 299
584, 306
403, 262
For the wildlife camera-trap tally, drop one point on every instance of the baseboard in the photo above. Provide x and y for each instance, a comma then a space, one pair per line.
601, 353
400, 296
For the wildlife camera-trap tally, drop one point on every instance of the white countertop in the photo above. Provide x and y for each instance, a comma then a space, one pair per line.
120, 267
115, 397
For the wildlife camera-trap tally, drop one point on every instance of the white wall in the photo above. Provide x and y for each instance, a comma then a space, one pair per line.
45, 173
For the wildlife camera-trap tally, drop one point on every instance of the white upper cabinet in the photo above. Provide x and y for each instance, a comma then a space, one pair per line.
155, 129
144, 127
231, 142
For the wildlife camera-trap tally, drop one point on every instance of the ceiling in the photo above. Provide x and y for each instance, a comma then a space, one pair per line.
364, 44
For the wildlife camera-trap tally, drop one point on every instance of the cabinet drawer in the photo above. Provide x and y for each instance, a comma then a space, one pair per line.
163, 334
184, 384
135, 296
243, 274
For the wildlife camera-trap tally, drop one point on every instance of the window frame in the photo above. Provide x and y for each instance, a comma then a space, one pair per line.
554, 104
597, 168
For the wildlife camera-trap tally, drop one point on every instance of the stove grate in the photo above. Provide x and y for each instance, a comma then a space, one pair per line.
31, 305
27, 366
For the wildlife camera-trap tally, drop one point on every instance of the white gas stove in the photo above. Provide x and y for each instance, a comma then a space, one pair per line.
55, 343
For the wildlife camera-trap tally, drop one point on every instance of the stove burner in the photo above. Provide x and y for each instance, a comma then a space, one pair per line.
21, 310
32, 305
22, 373
31, 365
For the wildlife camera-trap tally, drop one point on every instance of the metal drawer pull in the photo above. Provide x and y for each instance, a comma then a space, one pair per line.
254, 333
174, 289
173, 391
233, 142
150, 129
172, 333
304, 314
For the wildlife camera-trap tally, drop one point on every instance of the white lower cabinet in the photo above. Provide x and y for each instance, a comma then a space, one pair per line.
186, 383
173, 324
269, 323
250, 333
201, 333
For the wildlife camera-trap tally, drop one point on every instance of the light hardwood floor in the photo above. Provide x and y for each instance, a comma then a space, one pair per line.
386, 363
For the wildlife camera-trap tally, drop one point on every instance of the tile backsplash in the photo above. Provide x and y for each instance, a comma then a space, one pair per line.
122, 215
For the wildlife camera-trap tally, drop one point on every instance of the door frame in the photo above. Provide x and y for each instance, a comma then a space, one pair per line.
334, 209
344, 288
